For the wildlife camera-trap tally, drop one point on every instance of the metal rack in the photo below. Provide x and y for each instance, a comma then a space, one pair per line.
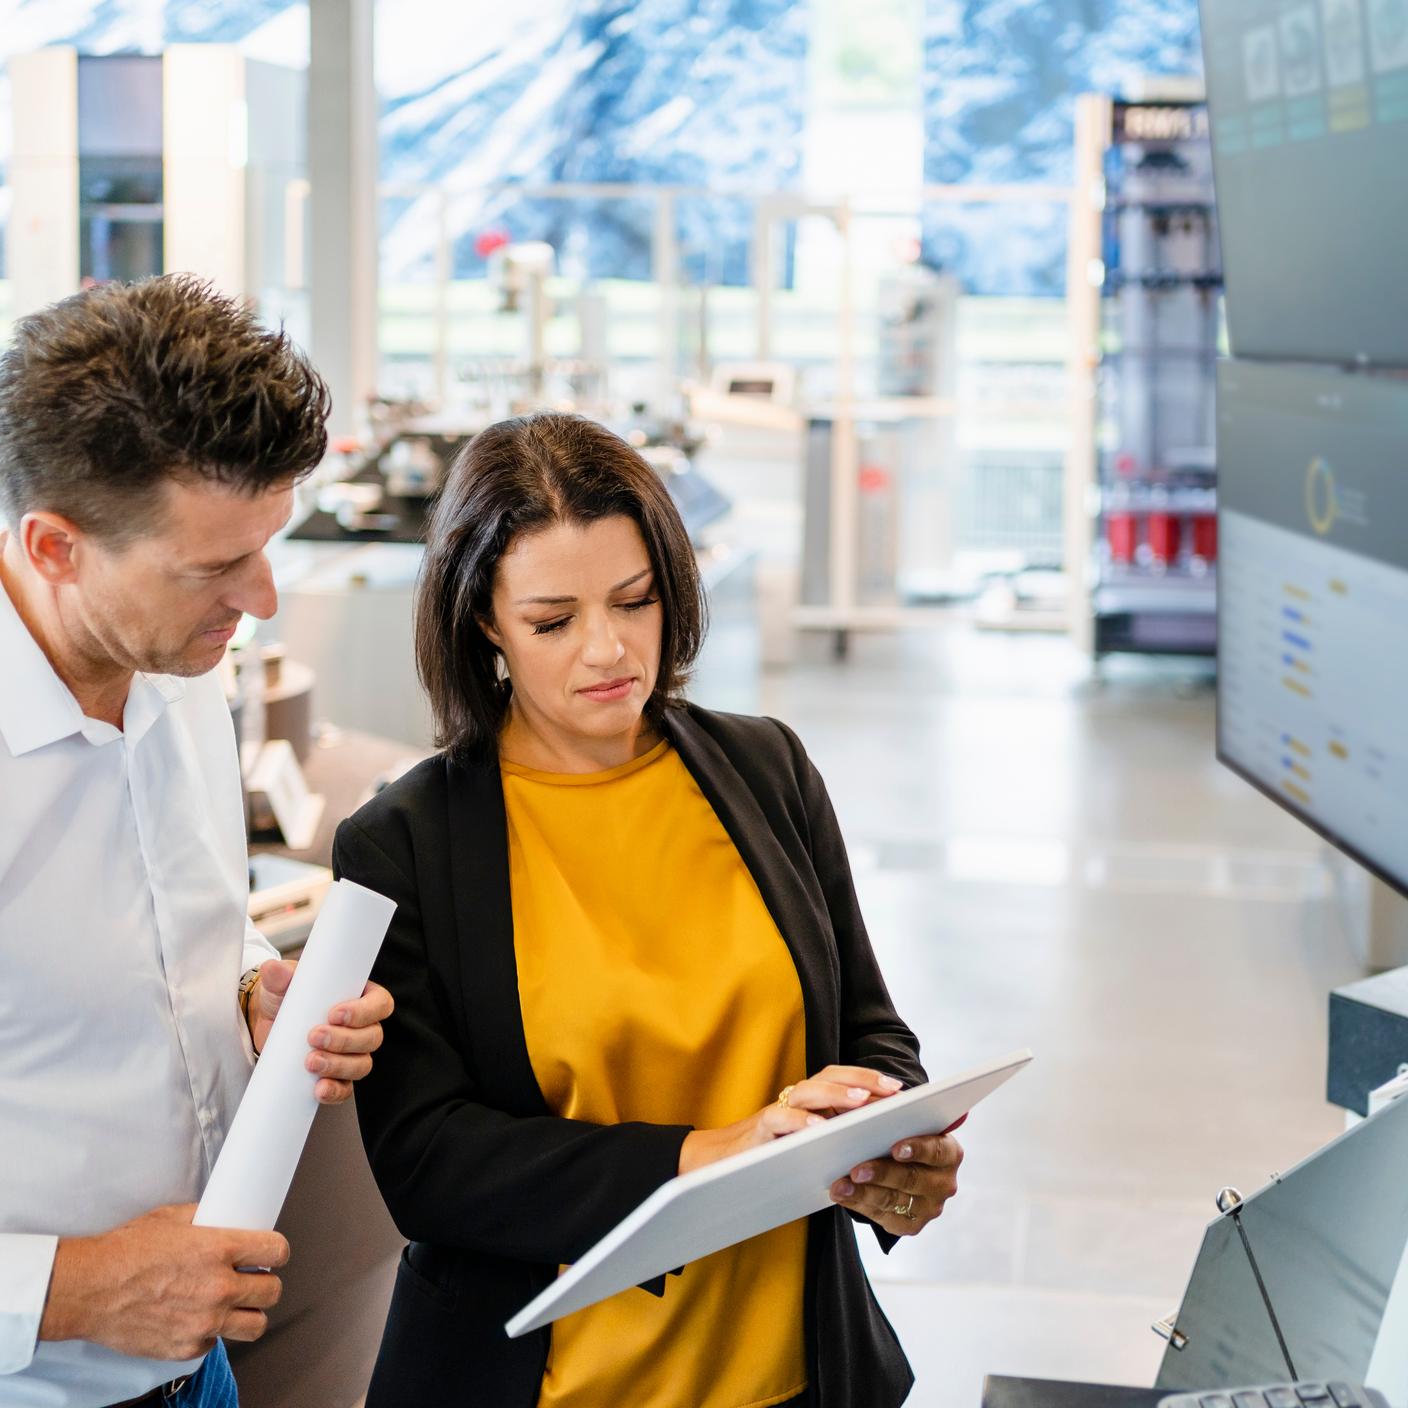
1145, 308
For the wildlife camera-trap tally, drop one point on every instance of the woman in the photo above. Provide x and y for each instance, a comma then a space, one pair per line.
625, 933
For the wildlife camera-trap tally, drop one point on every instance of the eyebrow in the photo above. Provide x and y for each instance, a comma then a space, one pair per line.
221, 564
566, 600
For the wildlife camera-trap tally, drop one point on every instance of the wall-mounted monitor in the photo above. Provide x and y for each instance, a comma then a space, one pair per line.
1309, 108
1313, 599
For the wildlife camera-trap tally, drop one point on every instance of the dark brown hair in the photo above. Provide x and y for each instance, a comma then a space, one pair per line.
521, 476
108, 393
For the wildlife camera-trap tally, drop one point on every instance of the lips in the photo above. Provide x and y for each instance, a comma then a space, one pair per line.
610, 691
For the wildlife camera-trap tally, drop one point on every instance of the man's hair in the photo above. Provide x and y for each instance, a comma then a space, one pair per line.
109, 393
523, 476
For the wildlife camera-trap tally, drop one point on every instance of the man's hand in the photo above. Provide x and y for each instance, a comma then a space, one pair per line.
158, 1288
342, 1049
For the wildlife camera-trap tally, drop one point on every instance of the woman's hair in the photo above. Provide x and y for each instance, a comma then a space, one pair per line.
522, 476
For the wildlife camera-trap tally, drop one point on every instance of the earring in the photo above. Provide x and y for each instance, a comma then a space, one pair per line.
500, 667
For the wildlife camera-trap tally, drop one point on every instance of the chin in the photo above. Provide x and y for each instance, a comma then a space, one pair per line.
609, 720
191, 663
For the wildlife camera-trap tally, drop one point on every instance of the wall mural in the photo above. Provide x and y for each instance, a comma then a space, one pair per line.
999, 83
708, 93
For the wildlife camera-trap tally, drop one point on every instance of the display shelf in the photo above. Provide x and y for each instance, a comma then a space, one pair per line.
1136, 589
1199, 354
1146, 326
1165, 209
1162, 279
1155, 498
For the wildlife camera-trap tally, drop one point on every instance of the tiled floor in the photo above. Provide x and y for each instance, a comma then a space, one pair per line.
1053, 863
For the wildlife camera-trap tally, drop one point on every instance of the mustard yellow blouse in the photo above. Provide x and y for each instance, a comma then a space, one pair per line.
656, 987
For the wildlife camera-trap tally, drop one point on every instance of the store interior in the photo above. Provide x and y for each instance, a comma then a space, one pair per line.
983, 348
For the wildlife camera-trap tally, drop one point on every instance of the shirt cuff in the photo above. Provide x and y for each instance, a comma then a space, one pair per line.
26, 1264
256, 948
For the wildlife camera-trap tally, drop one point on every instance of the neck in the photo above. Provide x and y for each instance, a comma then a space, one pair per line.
98, 684
532, 743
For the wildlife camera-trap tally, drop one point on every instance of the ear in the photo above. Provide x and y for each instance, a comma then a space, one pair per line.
486, 624
50, 543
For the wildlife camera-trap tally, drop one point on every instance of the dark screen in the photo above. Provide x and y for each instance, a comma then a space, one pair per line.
1309, 104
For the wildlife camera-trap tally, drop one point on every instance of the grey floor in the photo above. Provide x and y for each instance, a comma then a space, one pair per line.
1050, 862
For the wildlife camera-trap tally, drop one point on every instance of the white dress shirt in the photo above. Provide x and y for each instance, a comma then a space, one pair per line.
123, 1054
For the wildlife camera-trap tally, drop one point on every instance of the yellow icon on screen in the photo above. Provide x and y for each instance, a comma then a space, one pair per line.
1320, 504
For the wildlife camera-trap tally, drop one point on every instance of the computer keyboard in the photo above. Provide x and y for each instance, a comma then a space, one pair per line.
1299, 1395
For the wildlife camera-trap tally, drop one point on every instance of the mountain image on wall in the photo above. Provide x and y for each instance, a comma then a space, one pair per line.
709, 94
1000, 79
696, 93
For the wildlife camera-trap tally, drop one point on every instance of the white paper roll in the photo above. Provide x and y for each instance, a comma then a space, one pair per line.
251, 1177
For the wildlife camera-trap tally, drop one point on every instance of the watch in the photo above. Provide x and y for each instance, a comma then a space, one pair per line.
246, 987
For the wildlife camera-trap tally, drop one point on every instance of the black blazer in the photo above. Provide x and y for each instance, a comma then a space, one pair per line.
492, 1189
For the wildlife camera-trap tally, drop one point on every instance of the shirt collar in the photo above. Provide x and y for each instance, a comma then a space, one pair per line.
37, 708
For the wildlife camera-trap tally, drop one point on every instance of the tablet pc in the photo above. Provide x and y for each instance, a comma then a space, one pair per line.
729, 1201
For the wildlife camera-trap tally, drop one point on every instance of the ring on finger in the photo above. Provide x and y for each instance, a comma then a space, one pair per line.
784, 1096
906, 1209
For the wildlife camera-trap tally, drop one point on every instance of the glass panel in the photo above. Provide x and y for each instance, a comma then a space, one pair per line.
1327, 1237
501, 299
718, 303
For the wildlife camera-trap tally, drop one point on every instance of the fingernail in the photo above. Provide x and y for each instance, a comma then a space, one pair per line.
845, 1188
317, 1063
323, 1039
856, 1093
815, 1119
341, 1017
890, 1083
905, 1151
864, 1175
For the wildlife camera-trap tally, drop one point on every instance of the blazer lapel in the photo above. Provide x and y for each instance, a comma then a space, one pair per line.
799, 914
483, 914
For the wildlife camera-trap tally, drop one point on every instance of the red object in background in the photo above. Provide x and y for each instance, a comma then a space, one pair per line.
1164, 535
1122, 531
873, 478
1125, 463
1205, 537
489, 241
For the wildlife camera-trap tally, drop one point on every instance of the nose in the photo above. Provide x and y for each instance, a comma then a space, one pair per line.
257, 596
602, 646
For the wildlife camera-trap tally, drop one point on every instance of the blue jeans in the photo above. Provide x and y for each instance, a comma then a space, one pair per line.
212, 1386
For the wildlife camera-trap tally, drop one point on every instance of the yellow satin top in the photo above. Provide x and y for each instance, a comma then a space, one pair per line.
656, 987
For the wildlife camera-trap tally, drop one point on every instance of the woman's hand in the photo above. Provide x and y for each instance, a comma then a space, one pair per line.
907, 1191
832, 1091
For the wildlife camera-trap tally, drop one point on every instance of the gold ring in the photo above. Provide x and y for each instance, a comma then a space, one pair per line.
906, 1209
784, 1096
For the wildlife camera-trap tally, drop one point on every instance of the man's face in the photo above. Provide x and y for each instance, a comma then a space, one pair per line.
168, 602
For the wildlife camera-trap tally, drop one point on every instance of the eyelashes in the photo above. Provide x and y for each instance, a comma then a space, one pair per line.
546, 628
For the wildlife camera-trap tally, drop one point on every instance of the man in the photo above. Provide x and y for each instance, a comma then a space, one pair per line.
150, 438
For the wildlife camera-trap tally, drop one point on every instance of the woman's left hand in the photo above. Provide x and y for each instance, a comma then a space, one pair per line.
907, 1191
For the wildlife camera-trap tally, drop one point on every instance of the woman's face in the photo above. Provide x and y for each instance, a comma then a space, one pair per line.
578, 620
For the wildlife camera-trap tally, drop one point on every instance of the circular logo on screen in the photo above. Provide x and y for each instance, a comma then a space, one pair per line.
1320, 505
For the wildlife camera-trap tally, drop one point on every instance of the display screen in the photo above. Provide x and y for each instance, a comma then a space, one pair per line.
1313, 599
1309, 106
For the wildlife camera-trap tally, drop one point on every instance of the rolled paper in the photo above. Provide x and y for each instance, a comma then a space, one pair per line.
255, 1167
